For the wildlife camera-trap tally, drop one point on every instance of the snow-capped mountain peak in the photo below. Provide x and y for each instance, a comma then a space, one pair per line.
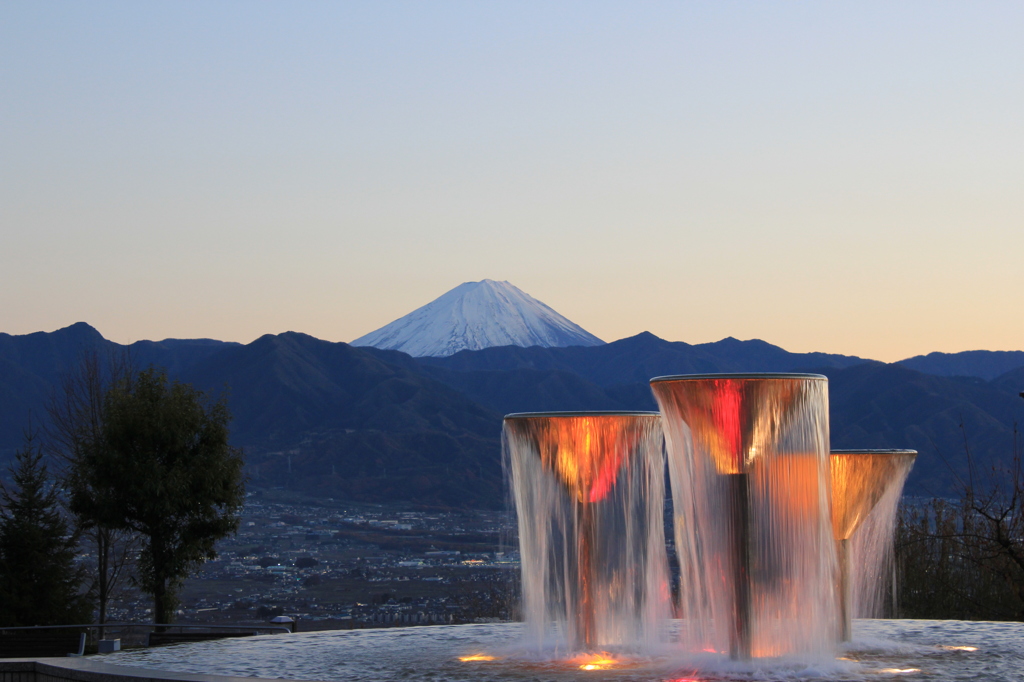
477, 315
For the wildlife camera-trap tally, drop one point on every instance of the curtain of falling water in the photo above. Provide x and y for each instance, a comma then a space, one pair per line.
748, 462
871, 550
589, 491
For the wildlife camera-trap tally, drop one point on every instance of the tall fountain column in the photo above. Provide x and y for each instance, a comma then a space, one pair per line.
748, 461
589, 497
865, 484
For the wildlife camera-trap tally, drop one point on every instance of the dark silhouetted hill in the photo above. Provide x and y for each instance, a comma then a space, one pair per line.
642, 357
175, 355
877, 405
30, 368
48, 354
331, 419
984, 364
529, 390
378, 426
32, 365
1012, 382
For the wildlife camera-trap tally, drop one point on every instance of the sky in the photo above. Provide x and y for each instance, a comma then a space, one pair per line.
835, 177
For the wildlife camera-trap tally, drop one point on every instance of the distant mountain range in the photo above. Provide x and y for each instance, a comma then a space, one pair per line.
477, 315
984, 364
378, 425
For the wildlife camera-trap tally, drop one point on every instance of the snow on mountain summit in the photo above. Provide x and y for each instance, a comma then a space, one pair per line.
477, 315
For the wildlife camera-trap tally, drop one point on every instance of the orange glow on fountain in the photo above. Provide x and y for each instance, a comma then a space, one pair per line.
589, 495
859, 480
748, 458
585, 451
734, 419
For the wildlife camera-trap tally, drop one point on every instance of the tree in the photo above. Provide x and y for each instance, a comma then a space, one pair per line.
39, 581
76, 426
162, 468
964, 558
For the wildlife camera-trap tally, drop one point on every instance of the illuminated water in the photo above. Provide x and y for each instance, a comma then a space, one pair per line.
588, 490
866, 490
924, 650
749, 469
757, 544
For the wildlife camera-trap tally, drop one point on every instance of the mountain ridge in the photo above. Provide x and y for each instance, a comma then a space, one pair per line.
377, 425
985, 364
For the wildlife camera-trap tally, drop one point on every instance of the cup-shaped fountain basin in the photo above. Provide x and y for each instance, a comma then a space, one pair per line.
860, 481
589, 491
748, 461
734, 418
584, 450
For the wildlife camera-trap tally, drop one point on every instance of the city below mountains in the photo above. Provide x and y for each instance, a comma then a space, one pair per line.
334, 420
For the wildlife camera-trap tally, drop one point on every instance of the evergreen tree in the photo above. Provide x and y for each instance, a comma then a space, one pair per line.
162, 469
39, 581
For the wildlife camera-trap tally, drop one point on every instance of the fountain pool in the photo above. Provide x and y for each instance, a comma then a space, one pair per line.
880, 650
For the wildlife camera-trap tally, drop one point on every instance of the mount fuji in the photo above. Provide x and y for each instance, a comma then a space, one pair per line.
476, 315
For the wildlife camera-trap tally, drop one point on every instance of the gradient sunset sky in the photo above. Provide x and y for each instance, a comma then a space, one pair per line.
839, 177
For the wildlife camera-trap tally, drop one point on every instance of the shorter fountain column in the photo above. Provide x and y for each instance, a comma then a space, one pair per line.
589, 497
860, 481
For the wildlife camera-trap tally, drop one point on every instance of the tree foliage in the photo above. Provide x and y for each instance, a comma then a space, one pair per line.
163, 469
39, 581
76, 426
964, 558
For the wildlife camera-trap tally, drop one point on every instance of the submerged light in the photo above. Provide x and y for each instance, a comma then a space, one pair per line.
601, 661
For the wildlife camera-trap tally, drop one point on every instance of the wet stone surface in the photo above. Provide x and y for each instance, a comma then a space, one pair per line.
881, 650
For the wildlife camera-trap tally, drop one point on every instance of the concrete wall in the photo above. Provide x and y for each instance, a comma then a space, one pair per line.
93, 670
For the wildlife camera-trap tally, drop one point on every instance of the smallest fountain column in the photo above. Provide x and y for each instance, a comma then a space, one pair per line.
589, 498
866, 487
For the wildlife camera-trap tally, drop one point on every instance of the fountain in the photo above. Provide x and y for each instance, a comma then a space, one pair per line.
589, 493
779, 545
748, 463
866, 488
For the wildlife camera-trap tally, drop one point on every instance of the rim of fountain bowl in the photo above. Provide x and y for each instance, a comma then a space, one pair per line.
872, 451
739, 375
582, 413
